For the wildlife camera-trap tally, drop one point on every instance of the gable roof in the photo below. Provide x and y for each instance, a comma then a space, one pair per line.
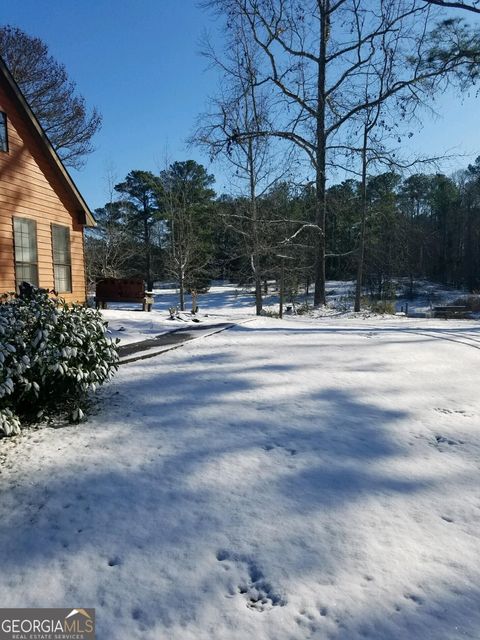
46, 144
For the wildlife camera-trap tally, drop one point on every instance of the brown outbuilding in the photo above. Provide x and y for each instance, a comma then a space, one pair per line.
42, 213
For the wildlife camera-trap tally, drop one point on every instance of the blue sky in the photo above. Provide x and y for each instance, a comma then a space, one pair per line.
138, 62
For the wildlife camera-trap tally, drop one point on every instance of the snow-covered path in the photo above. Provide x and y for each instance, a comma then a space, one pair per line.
280, 481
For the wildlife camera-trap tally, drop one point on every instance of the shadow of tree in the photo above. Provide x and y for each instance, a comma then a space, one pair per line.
201, 451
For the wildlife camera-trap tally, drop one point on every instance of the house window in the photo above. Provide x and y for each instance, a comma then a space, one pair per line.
62, 261
26, 261
3, 132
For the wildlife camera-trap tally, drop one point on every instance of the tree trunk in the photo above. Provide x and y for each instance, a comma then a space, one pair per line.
469, 261
361, 248
258, 294
148, 258
320, 177
181, 286
255, 258
282, 288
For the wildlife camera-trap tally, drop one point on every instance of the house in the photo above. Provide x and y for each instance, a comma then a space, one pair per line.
42, 213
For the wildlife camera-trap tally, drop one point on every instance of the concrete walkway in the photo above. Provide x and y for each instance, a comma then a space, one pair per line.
168, 341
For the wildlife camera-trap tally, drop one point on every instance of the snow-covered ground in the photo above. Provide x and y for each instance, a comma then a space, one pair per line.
129, 323
278, 481
428, 295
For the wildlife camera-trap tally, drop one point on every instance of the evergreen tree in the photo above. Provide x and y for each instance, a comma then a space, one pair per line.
142, 193
188, 208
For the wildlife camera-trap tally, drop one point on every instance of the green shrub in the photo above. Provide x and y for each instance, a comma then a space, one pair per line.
269, 313
383, 306
303, 309
51, 356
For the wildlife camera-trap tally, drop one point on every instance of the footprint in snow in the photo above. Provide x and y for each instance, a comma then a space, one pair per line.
142, 619
414, 598
449, 441
258, 593
447, 519
307, 621
311, 618
137, 614
460, 412
271, 447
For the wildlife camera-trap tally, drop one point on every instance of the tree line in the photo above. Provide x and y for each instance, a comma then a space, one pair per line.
172, 226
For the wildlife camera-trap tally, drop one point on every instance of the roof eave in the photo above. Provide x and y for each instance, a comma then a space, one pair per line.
85, 210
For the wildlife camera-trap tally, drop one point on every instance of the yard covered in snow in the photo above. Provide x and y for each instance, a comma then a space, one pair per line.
129, 323
277, 481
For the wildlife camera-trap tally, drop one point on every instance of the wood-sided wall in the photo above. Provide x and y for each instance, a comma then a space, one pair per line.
30, 187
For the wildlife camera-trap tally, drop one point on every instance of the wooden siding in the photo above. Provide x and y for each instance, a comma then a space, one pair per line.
30, 187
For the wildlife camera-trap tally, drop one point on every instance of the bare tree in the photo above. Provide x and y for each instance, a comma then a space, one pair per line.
51, 94
315, 54
474, 6
242, 106
109, 254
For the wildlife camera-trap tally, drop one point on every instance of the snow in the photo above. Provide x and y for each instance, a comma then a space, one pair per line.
129, 323
427, 295
282, 480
